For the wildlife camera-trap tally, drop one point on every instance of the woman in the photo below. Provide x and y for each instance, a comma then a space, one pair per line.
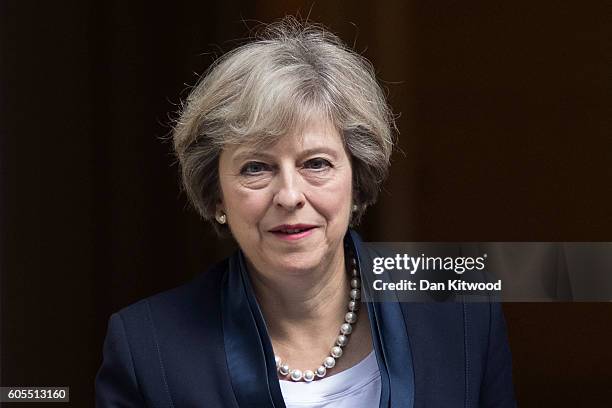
284, 144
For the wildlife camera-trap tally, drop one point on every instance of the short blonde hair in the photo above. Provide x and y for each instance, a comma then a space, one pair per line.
256, 92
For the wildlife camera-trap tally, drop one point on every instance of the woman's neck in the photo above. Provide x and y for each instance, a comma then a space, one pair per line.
302, 298
303, 311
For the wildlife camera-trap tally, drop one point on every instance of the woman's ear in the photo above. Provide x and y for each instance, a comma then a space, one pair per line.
220, 214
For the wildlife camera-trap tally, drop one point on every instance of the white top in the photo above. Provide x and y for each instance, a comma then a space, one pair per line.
358, 386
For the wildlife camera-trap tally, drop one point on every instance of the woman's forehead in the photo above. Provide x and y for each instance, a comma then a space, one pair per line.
315, 135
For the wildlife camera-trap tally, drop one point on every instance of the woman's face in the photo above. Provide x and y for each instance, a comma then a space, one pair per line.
288, 205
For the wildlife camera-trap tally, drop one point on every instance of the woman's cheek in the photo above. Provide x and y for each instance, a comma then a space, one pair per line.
336, 184
254, 183
332, 199
251, 201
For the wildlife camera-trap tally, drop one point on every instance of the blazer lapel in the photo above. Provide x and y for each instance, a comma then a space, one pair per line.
391, 343
249, 354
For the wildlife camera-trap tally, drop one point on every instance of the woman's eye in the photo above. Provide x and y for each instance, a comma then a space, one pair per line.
317, 164
253, 168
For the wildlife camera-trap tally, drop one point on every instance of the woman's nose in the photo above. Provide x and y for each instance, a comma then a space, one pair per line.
289, 194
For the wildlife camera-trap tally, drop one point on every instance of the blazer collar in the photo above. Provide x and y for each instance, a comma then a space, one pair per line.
250, 357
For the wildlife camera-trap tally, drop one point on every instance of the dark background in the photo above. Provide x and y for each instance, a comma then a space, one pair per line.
505, 136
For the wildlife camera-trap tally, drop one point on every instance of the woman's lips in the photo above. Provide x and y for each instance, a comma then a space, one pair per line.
290, 235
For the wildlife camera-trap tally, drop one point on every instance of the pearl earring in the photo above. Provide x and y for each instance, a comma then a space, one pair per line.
355, 207
221, 218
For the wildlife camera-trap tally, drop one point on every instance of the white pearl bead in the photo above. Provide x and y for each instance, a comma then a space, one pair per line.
278, 361
336, 352
355, 273
342, 340
350, 317
355, 283
355, 294
284, 369
309, 376
353, 306
354, 261
321, 371
329, 362
296, 375
346, 328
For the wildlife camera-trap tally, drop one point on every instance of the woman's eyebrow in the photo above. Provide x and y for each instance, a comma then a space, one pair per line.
250, 154
258, 154
321, 149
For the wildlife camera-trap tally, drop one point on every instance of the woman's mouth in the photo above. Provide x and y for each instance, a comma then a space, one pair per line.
292, 232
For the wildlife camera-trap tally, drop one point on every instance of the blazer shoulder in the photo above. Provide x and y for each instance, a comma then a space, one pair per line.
201, 293
156, 345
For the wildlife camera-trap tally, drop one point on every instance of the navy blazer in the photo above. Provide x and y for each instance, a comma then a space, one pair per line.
205, 344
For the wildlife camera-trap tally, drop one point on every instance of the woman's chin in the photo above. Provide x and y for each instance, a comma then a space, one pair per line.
296, 268
296, 264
